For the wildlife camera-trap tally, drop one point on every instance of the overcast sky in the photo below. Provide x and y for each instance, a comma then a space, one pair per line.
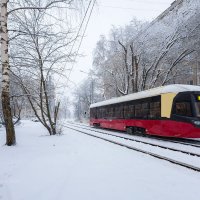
113, 12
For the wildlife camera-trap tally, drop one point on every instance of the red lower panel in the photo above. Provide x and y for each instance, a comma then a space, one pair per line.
167, 128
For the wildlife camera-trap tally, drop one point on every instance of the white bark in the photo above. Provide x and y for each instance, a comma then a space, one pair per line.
10, 132
4, 47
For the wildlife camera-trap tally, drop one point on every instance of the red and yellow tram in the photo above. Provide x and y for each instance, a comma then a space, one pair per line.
169, 111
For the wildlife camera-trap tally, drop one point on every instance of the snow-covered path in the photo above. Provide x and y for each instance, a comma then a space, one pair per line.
78, 167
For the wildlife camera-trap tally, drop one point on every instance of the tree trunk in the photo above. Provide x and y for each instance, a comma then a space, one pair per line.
136, 73
10, 132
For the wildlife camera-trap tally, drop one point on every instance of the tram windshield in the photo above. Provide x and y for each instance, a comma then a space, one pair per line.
197, 105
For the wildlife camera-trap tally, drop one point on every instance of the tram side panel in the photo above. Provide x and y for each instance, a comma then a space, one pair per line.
163, 115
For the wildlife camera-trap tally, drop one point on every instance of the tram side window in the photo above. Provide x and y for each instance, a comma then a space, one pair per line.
145, 110
103, 112
138, 113
155, 110
126, 111
183, 108
121, 110
106, 112
118, 111
94, 113
111, 111
98, 113
142, 110
129, 111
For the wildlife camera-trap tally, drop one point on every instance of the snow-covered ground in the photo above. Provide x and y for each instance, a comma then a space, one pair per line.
78, 167
178, 156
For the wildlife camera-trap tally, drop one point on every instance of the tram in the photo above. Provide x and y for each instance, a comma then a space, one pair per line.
168, 111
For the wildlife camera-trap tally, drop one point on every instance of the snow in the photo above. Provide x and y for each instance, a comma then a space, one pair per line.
75, 166
180, 11
142, 139
185, 158
175, 88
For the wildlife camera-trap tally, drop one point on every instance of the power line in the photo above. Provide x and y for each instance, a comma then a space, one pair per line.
81, 40
81, 24
149, 2
78, 32
126, 8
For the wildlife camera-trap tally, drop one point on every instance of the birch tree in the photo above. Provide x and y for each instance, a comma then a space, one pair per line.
39, 57
5, 95
15, 8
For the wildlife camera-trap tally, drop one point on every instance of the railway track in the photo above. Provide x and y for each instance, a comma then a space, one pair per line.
183, 141
171, 160
140, 141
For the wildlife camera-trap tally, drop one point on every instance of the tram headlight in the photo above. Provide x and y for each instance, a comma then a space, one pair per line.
197, 123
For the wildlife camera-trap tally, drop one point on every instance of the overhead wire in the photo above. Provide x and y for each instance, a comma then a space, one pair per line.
85, 31
76, 53
78, 32
126, 8
81, 41
148, 1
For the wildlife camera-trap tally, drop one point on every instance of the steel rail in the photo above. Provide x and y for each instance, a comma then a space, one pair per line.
194, 168
186, 142
143, 142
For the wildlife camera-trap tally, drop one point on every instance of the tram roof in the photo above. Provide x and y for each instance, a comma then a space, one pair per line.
175, 88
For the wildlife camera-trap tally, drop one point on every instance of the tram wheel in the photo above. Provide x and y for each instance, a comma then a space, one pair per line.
130, 130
